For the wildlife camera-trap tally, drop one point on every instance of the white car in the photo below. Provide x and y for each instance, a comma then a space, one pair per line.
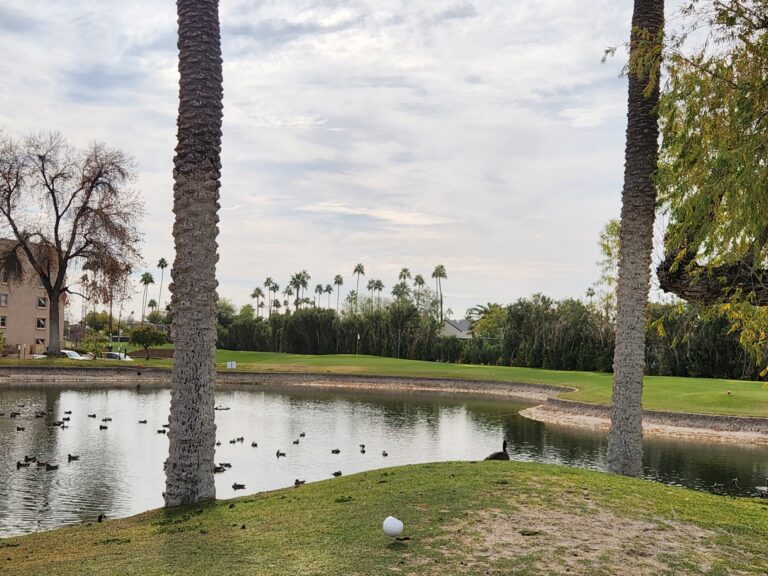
117, 356
72, 355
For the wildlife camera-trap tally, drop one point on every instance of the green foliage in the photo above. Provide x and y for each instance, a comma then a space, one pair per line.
97, 320
94, 342
146, 336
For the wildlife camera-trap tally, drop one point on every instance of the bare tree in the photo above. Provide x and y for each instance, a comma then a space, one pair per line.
61, 207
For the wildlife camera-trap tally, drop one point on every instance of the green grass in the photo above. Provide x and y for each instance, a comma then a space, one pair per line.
461, 518
702, 395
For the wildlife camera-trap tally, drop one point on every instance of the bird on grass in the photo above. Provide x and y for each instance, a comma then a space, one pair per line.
500, 455
298, 482
337, 473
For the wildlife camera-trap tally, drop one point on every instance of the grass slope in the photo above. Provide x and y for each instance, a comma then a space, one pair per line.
703, 395
462, 518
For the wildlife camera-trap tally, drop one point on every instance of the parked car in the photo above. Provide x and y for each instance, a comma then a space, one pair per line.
72, 355
117, 356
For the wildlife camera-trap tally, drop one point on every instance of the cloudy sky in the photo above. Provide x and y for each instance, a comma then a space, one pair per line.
484, 135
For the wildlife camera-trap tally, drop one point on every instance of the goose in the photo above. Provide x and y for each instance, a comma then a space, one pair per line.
237, 486
335, 451
91, 415
384, 453
72, 457
19, 428
102, 427
142, 421
278, 453
500, 455
337, 473
298, 482
254, 445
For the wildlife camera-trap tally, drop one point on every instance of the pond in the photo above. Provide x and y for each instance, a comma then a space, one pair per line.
119, 471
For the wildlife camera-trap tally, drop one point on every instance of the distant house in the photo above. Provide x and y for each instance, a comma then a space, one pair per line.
24, 313
457, 328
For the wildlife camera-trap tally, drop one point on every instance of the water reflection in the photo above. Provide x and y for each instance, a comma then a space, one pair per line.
120, 470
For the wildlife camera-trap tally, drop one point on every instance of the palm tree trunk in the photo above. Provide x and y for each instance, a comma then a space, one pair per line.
197, 170
625, 439
160, 292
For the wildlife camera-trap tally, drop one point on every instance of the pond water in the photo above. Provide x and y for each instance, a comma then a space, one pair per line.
120, 469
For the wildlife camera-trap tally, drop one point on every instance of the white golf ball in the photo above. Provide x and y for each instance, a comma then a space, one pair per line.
392, 526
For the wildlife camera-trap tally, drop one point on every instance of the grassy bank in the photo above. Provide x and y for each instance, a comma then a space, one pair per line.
462, 518
703, 395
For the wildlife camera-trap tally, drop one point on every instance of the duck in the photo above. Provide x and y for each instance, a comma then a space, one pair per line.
30, 458
302, 435
107, 419
337, 473
296, 441
51, 467
335, 451
218, 443
101, 518
142, 421
225, 464
41, 464
72, 458
298, 482
102, 427
232, 441
21, 465
237, 486
278, 454
254, 445
162, 431
240, 439
219, 469
362, 450
66, 419
19, 428
384, 453
91, 415
500, 455
68, 412
362, 446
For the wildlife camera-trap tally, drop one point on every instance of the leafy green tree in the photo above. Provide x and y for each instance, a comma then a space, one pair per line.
625, 437
94, 342
147, 336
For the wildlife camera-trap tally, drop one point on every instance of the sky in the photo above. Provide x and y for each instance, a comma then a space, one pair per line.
484, 135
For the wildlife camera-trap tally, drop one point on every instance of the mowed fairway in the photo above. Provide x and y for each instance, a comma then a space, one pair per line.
702, 395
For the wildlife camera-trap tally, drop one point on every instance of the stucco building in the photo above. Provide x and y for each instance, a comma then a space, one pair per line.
24, 313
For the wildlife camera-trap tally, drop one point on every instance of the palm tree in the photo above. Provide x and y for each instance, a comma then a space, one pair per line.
371, 286
338, 281
360, 271
378, 286
152, 305
319, 291
258, 294
329, 291
268, 285
404, 275
197, 170
439, 274
418, 283
146, 279
162, 264
288, 292
625, 438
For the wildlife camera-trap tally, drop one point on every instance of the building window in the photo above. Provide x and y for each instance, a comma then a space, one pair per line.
3, 321
41, 324
40, 341
4, 277
42, 302
3, 299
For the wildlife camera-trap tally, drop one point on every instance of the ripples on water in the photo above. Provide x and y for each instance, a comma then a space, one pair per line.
120, 469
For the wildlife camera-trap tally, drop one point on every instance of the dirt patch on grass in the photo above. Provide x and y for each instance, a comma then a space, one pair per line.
535, 540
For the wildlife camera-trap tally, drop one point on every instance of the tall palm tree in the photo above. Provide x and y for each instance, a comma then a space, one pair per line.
162, 264
378, 286
146, 279
404, 275
338, 281
360, 271
258, 294
268, 285
288, 292
625, 447
329, 290
371, 286
197, 170
439, 275
152, 304
319, 291
418, 284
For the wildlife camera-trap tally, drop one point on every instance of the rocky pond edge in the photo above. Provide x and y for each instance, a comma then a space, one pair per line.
553, 410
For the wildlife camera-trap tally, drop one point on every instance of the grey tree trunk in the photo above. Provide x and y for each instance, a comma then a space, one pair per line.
197, 169
54, 341
625, 439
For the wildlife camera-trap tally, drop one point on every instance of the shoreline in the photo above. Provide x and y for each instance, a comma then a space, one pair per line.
553, 410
